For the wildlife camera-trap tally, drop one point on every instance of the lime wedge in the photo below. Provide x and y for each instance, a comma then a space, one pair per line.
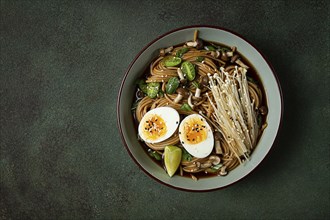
172, 159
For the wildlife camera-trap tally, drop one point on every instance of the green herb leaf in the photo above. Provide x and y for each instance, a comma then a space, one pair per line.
250, 79
224, 49
196, 84
135, 104
217, 167
210, 48
142, 85
157, 155
172, 85
185, 155
170, 61
186, 107
182, 51
259, 119
153, 89
189, 70
154, 154
199, 59
160, 93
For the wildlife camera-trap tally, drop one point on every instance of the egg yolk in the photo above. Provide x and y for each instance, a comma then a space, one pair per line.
154, 127
195, 131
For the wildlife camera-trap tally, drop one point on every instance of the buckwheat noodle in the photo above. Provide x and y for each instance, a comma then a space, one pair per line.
230, 103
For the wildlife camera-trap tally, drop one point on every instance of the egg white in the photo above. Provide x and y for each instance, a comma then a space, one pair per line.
202, 149
171, 118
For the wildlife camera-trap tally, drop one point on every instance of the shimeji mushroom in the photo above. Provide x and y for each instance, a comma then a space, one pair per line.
223, 171
163, 51
224, 56
215, 160
263, 110
207, 164
198, 44
198, 92
234, 58
240, 62
190, 101
217, 138
181, 76
204, 81
182, 93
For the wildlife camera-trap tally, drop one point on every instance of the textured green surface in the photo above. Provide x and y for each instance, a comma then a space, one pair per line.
61, 154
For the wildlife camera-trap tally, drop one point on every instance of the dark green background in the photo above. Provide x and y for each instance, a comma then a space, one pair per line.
62, 157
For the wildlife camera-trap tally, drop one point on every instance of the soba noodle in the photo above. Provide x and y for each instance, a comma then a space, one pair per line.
230, 103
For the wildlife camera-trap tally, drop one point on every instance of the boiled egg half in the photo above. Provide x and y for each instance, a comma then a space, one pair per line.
196, 136
158, 124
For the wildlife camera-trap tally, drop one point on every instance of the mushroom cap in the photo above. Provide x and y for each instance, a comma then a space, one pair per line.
263, 110
200, 44
185, 93
204, 80
215, 159
217, 135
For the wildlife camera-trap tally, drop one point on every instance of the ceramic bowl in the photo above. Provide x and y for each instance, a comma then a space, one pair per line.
127, 94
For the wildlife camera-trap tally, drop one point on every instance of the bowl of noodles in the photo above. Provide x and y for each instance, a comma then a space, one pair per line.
199, 108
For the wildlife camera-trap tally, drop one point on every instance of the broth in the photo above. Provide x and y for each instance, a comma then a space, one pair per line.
252, 76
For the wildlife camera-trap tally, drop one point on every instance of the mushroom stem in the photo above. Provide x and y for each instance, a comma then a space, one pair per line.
192, 43
263, 110
217, 138
224, 56
190, 101
169, 49
239, 62
234, 58
178, 98
218, 149
230, 54
207, 164
180, 74
215, 160
198, 92
223, 171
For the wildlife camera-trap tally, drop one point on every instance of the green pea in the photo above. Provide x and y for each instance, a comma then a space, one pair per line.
170, 61
172, 85
152, 89
189, 70
182, 51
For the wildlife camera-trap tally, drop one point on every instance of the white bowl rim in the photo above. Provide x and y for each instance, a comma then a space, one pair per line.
164, 35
